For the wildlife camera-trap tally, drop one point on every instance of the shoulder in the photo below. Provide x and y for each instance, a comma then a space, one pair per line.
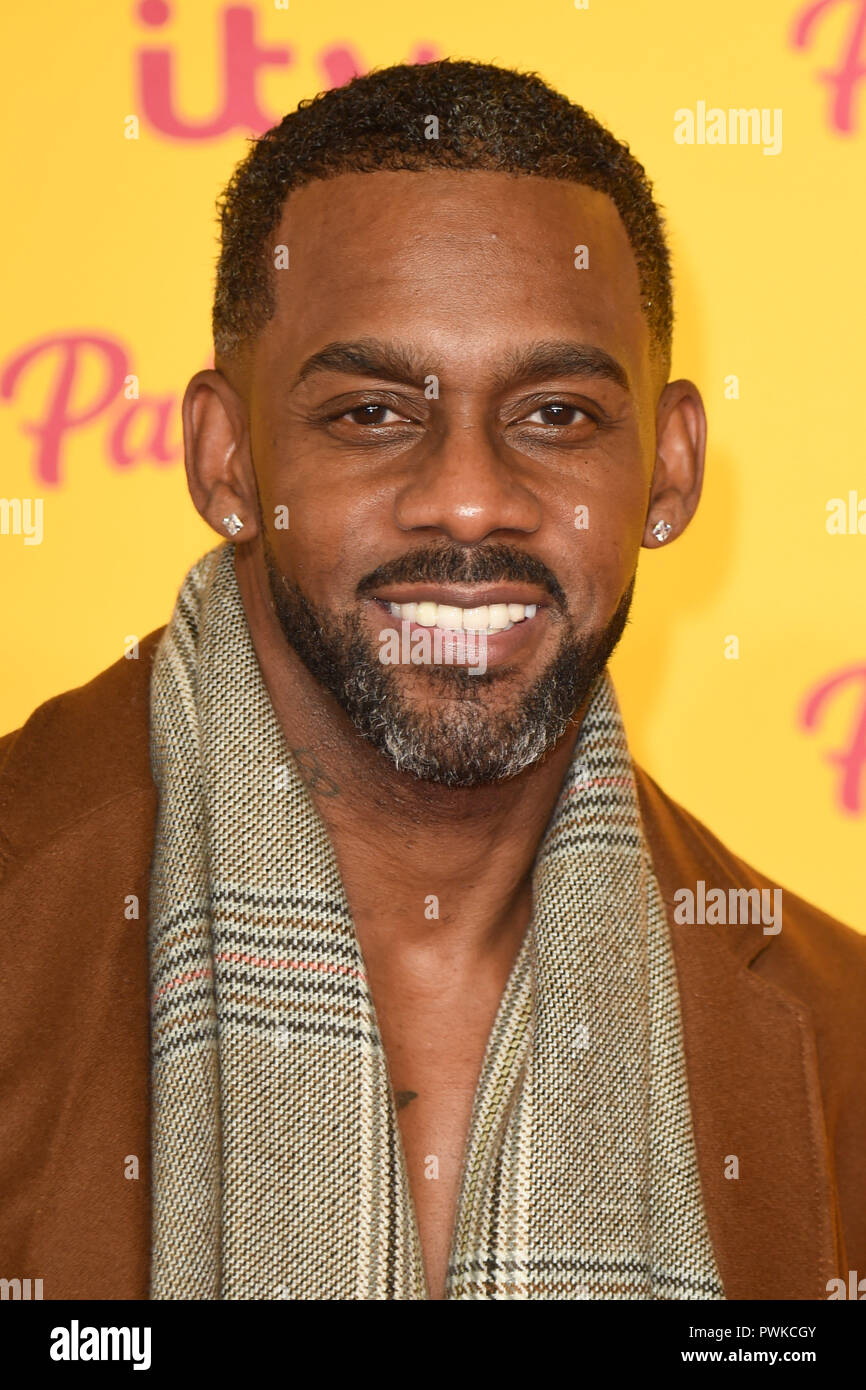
815, 956
77, 751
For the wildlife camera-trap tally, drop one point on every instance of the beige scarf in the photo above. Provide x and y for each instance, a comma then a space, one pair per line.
278, 1169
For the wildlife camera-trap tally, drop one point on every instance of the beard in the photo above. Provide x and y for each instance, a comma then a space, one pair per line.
459, 740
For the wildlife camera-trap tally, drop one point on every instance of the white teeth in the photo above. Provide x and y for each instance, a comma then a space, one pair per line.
476, 619
449, 616
425, 614
488, 618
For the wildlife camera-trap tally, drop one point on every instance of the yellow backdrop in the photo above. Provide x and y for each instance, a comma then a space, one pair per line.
743, 673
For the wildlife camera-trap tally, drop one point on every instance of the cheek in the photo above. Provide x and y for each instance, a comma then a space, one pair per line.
594, 531
311, 517
335, 532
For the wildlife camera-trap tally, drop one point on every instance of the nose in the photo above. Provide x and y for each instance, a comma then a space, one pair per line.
466, 490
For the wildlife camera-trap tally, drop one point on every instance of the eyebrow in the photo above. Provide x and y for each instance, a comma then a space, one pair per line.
392, 361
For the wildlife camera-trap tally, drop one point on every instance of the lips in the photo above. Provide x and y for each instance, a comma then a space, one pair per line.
463, 595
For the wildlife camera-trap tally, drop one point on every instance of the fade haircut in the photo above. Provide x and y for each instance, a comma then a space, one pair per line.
489, 118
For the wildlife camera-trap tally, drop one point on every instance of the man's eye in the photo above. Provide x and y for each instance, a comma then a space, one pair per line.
371, 415
557, 414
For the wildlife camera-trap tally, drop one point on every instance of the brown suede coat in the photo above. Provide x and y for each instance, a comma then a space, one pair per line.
775, 1026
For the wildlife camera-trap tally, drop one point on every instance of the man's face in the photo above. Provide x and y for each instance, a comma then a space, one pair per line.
456, 415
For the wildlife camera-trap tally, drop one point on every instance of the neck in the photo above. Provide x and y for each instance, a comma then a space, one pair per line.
435, 870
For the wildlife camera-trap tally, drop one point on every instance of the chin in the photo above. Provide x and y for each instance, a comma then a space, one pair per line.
461, 745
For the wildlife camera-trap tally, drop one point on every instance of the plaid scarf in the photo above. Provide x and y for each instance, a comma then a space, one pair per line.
278, 1168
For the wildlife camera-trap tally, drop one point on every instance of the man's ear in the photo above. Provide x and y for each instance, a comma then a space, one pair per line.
219, 468
681, 439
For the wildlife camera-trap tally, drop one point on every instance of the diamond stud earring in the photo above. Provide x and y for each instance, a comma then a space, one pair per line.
232, 523
662, 530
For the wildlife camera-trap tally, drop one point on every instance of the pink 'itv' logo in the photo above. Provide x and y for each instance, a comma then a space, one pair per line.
243, 58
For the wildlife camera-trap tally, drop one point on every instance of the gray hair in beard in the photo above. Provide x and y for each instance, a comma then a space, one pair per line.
464, 744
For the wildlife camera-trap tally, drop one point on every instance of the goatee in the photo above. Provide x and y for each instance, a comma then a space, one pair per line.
461, 741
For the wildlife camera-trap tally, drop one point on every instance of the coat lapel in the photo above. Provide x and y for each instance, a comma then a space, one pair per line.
753, 1081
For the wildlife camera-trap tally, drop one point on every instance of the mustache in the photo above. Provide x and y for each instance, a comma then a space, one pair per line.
487, 564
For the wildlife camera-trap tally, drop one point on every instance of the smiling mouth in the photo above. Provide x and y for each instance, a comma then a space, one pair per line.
486, 619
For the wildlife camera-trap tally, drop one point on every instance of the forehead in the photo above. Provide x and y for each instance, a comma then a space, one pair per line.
456, 263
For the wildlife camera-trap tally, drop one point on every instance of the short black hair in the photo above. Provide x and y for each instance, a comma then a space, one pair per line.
488, 118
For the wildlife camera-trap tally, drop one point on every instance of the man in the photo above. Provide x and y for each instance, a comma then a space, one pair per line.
430, 1016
